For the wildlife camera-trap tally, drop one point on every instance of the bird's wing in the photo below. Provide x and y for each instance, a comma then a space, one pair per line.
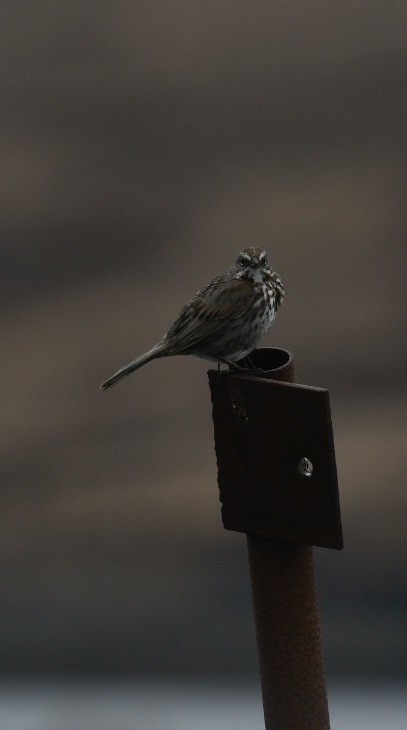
209, 311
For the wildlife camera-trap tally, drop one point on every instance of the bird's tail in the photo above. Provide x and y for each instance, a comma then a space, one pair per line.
156, 351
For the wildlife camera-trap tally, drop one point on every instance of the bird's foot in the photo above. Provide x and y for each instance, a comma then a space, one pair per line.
246, 366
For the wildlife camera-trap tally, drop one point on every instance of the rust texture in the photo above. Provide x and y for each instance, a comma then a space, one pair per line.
288, 635
262, 429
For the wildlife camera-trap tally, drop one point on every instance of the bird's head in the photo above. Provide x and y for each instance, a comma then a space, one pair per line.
252, 263
252, 258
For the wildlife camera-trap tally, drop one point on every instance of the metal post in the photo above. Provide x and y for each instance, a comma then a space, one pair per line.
288, 635
263, 432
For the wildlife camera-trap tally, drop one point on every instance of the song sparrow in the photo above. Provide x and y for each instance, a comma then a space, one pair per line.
225, 320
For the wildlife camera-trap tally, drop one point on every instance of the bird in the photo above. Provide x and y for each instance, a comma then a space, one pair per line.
225, 320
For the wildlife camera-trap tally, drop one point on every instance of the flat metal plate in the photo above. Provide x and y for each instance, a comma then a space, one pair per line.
263, 428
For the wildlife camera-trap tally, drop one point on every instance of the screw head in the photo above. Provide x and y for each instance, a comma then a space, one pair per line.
305, 467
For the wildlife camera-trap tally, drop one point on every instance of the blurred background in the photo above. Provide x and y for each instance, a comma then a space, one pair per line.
143, 145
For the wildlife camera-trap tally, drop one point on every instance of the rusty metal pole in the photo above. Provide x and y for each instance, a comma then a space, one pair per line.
288, 635
264, 429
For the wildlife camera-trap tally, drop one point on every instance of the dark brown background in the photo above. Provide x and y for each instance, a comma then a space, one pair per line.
143, 145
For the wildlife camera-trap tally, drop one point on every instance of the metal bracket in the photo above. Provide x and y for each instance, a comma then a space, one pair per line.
275, 453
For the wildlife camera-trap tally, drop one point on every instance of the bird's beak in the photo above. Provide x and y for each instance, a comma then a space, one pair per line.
255, 261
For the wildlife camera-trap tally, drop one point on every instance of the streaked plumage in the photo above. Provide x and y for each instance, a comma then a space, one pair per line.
225, 320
